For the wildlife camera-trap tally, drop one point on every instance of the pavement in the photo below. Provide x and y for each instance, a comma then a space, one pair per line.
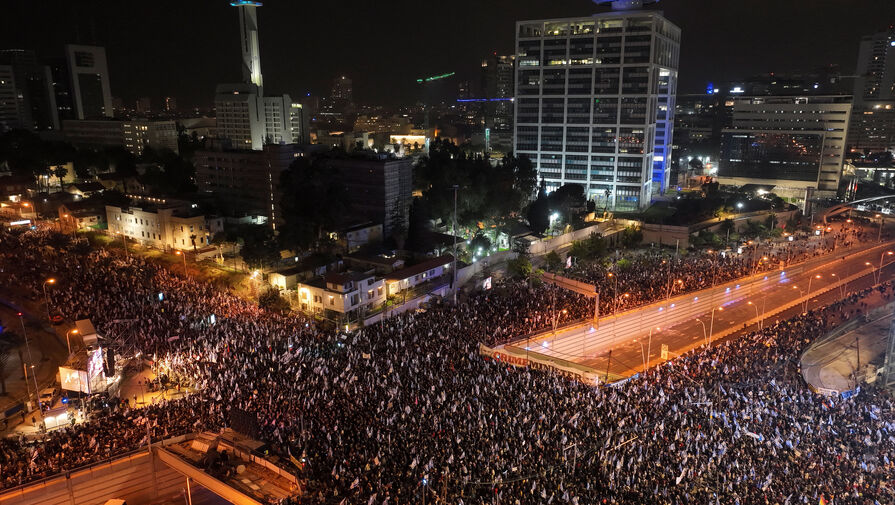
47, 350
836, 364
682, 323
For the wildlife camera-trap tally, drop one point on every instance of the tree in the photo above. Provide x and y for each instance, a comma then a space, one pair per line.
567, 200
272, 300
419, 234
480, 244
59, 171
260, 247
590, 248
313, 200
631, 236
554, 262
539, 212
399, 224
519, 267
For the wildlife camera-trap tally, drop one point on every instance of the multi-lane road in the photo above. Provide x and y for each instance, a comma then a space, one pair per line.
625, 343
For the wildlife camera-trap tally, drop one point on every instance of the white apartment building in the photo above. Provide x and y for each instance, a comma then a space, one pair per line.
165, 224
594, 103
341, 295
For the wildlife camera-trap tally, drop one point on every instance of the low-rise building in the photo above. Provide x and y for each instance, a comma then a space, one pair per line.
341, 297
81, 215
424, 272
166, 224
352, 238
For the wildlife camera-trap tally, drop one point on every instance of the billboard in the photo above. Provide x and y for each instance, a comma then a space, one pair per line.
74, 380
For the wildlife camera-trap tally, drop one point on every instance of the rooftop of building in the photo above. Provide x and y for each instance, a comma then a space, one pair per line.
420, 267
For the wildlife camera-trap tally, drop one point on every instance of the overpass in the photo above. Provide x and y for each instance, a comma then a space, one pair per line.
175, 468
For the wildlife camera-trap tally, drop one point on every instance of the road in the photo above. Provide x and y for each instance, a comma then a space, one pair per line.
626, 343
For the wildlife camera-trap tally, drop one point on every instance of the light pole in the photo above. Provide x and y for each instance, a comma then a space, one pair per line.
649, 346
879, 234
68, 334
47, 297
808, 293
454, 233
712, 323
181, 253
879, 271
705, 337
33, 371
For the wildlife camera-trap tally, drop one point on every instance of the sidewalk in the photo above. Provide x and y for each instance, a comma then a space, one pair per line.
837, 364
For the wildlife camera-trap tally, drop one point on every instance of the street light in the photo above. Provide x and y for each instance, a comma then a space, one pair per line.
712, 322
705, 337
879, 271
879, 235
649, 346
33, 373
180, 253
47, 297
68, 334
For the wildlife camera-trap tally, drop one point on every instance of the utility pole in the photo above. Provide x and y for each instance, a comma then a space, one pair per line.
454, 233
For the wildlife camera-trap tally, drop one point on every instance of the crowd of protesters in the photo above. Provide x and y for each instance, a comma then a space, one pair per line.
628, 280
408, 408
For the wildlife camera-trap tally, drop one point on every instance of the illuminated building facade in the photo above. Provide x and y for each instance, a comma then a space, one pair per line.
793, 142
873, 118
594, 103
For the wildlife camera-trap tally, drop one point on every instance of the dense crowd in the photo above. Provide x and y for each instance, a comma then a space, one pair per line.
408, 407
638, 278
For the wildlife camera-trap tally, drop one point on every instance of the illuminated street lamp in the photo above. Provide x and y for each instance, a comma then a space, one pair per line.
705, 337
712, 322
47, 297
879, 234
33, 372
649, 346
879, 271
180, 253
68, 334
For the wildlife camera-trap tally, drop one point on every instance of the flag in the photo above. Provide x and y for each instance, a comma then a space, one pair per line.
822, 500
355, 483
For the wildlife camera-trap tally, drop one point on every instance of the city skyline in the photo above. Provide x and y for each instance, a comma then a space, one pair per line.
390, 51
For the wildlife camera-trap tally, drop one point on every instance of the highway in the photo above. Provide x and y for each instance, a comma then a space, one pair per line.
624, 344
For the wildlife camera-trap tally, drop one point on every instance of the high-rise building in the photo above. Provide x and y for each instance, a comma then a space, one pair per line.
244, 115
341, 97
34, 85
61, 83
248, 34
170, 104
144, 105
594, 103
133, 135
498, 73
9, 100
299, 124
240, 115
245, 182
873, 116
791, 142
89, 78
380, 189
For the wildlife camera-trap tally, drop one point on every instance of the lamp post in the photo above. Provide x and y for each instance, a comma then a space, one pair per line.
879, 234
47, 297
33, 371
705, 337
181, 253
808, 293
649, 346
68, 334
879, 271
712, 322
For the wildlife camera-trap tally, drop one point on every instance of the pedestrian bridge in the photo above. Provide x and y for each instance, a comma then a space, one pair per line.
174, 468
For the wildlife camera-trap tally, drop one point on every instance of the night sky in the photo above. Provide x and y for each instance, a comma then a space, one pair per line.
183, 48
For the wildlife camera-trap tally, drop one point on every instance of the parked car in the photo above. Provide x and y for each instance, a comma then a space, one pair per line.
48, 397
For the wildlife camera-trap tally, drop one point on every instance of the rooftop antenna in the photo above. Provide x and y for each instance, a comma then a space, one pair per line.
626, 5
